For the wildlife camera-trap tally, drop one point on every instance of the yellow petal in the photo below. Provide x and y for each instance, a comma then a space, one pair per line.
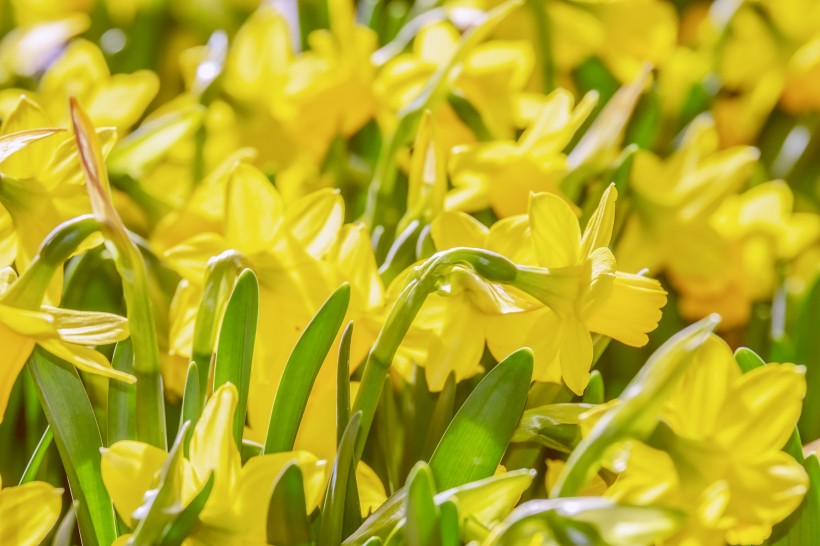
371, 490
427, 179
693, 408
33, 153
28, 512
599, 228
575, 354
254, 211
258, 478
16, 350
511, 237
32, 324
763, 408
190, 257
315, 220
121, 100
85, 359
213, 449
457, 229
764, 491
129, 469
88, 327
631, 310
353, 256
538, 330
458, 343
555, 232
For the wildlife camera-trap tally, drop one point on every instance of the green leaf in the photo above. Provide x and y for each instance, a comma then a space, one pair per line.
65, 531
191, 403
422, 527
164, 506
442, 415
450, 525
184, 523
234, 351
556, 426
807, 351
330, 528
122, 397
220, 279
485, 500
585, 521
748, 360
33, 466
301, 371
71, 418
343, 383
636, 415
594, 393
288, 522
475, 441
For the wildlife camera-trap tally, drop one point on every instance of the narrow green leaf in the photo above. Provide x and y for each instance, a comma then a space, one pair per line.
343, 383
164, 506
191, 403
78, 440
422, 528
585, 521
122, 397
301, 371
184, 523
556, 426
450, 525
807, 351
234, 351
330, 528
485, 500
594, 393
442, 415
33, 466
65, 531
748, 360
636, 416
475, 441
288, 521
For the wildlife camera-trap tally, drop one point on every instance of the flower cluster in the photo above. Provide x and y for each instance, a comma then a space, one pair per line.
471, 271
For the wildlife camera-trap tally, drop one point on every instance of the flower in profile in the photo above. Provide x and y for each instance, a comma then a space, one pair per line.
28, 512
575, 276
717, 456
65, 333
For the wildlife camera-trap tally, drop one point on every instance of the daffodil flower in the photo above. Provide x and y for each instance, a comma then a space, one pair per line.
501, 174
574, 275
117, 100
669, 229
721, 460
760, 231
28, 512
237, 507
65, 333
492, 76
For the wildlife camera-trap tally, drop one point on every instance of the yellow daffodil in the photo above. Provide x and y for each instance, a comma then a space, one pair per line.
237, 507
575, 276
117, 100
300, 254
761, 231
65, 333
42, 183
28, 512
721, 461
500, 174
669, 228
491, 78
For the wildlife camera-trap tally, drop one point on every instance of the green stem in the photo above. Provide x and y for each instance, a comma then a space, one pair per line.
489, 265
